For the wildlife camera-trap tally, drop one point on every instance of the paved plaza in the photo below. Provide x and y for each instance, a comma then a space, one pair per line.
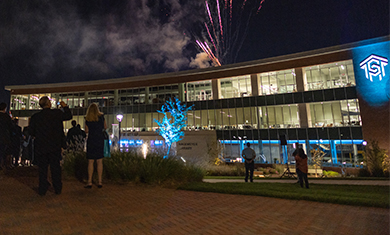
131, 209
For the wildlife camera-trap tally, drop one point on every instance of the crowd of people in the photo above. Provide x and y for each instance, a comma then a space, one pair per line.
17, 144
42, 142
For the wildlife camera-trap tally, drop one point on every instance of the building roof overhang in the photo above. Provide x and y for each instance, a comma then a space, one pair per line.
303, 59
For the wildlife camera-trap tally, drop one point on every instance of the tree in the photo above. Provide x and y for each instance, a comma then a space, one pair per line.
170, 128
316, 158
376, 159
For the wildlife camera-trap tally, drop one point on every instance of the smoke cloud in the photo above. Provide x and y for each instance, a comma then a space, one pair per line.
47, 41
201, 60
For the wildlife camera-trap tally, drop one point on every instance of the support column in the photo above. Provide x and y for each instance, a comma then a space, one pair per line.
182, 92
116, 95
304, 109
285, 154
216, 88
28, 102
308, 153
355, 155
301, 80
147, 100
304, 115
333, 151
255, 84
86, 97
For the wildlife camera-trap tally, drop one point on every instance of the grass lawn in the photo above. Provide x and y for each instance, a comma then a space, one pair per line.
356, 195
276, 177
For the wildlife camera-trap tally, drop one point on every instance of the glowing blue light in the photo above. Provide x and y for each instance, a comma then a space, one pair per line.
158, 142
170, 128
372, 73
124, 143
139, 142
374, 66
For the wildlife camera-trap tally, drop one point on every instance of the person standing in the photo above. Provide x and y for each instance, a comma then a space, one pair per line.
74, 137
95, 124
16, 142
298, 150
249, 155
27, 146
5, 134
301, 166
83, 135
47, 128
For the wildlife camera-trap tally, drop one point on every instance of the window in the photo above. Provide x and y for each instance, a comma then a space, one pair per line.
335, 113
201, 90
331, 75
236, 87
277, 82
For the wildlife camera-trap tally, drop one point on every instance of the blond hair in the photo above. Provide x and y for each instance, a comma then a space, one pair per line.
93, 113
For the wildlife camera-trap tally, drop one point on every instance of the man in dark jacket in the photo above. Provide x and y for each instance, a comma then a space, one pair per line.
74, 137
47, 128
5, 133
16, 142
249, 155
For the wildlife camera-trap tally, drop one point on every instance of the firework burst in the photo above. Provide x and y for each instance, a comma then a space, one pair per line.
226, 28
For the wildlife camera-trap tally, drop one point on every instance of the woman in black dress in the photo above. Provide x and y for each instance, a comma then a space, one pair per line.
94, 126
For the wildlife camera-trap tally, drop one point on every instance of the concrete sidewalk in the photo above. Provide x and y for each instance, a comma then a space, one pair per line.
130, 209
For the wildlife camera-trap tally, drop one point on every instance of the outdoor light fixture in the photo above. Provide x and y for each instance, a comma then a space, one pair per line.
119, 117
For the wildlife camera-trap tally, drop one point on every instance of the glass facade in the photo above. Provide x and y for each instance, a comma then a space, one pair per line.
335, 113
200, 90
277, 82
236, 87
331, 75
239, 116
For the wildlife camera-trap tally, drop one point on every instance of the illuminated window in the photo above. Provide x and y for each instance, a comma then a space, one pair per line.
236, 87
331, 75
277, 82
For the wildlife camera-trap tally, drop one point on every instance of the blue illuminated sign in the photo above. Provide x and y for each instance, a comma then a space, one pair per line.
158, 142
127, 143
372, 73
374, 66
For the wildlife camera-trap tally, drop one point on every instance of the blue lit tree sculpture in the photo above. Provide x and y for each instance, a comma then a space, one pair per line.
170, 128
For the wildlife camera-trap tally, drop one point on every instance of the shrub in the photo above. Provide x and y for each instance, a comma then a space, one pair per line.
363, 172
75, 165
225, 170
376, 159
331, 173
130, 167
279, 168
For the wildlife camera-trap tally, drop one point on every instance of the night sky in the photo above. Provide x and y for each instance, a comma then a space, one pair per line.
43, 41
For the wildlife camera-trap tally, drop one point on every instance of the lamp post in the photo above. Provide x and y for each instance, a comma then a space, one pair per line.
119, 117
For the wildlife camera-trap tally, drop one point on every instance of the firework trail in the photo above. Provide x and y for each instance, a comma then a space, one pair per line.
229, 21
219, 17
205, 47
261, 5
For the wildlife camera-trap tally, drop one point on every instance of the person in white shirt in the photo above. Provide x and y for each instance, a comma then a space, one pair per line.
249, 155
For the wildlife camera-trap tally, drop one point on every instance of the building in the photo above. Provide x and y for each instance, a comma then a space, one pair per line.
333, 99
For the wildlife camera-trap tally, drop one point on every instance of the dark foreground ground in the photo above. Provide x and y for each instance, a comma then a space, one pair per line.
130, 209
